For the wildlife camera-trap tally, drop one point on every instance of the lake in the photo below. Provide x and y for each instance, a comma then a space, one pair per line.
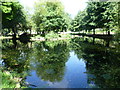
77, 63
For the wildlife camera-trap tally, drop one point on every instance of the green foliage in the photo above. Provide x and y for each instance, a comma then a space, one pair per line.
0, 78
102, 15
50, 16
11, 60
10, 80
37, 36
16, 64
51, 35
78, 23
13, 17
49, 59
102, 63
53, 44
51, 56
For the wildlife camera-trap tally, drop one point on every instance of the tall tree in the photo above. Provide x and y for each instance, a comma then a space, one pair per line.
50, 16
102, 15
12, 15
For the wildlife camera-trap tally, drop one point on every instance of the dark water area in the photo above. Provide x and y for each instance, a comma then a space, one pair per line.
76, 63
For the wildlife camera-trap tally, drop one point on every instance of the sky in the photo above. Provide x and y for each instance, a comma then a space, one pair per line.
71, 6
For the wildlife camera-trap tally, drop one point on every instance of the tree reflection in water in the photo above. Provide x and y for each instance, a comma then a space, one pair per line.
16, 56
50, 59
102, 63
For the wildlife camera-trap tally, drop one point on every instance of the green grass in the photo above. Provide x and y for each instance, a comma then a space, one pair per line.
10, 80
52, 36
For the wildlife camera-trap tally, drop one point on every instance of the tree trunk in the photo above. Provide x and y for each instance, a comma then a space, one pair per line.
14, 42
43, 33
93, 31
14, 33
14, 37
30, 31
93, 40
108, 32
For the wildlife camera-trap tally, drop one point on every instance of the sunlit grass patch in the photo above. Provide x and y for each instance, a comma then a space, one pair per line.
10, 80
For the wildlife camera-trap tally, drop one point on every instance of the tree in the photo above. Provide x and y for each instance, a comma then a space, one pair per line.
50, 16
12, 16
78, 24
111, 17
102, 15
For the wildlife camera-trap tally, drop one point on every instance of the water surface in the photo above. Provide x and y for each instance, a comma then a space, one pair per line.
75, 63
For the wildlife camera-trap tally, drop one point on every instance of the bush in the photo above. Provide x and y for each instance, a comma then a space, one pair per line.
51, 35
11, 79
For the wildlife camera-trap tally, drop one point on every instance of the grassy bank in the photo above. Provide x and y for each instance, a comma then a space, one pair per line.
52, 37
10, 79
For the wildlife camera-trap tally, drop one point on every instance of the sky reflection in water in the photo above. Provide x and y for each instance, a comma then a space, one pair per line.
74, 76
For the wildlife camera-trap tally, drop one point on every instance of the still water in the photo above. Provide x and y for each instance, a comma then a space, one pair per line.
75, 63
74, 76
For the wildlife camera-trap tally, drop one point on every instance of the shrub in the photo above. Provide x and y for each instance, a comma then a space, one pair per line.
51, 35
